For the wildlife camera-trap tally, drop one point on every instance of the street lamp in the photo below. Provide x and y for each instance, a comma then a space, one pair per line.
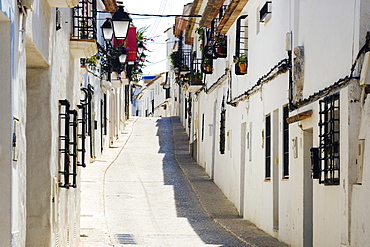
140, 48
121, 23
123, 54
107, 29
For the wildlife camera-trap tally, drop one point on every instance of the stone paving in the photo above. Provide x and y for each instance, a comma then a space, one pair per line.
148, 191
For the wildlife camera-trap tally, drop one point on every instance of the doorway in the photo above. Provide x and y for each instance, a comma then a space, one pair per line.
214, 146
243, 142
307, 189
275, 168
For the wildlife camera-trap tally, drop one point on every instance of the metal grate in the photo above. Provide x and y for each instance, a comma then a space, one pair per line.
285, 142
84, 20
125, 239
241, 40
268, 147
329, 140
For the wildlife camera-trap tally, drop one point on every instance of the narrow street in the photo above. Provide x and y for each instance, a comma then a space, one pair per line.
138, 195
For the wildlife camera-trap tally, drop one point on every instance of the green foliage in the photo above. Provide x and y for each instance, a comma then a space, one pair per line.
241, 59
142, 60
200, 32
220, 40
197, 75
175, 59
91, 62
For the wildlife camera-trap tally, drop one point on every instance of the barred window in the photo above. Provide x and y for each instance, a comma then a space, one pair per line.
268, 147
329, 140
241, 46
285, 142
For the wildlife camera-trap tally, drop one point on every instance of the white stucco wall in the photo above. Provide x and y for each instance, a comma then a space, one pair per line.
331, 33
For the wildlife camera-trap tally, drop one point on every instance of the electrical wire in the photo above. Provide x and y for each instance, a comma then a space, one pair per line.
161, 15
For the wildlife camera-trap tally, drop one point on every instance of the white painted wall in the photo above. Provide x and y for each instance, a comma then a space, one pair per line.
331, 33
6, 69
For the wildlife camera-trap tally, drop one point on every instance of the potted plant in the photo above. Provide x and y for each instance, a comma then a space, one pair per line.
242, 62
207, 65
196, 78
175, 59
220, 45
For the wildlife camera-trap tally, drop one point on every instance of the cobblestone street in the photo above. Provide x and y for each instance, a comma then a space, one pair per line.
137, 194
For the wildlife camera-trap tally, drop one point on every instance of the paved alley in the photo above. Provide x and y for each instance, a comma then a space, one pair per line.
137, 194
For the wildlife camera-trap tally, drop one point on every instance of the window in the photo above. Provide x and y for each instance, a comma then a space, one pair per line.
84, 20
186, 108
265, 12
241, 46
202, 126
67, 145
222, 127
329, 140
268, 147
285, 142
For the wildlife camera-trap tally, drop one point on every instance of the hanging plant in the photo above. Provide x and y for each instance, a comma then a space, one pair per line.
200, 32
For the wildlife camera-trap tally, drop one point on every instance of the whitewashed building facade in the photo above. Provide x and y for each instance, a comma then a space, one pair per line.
286, 139
54, 117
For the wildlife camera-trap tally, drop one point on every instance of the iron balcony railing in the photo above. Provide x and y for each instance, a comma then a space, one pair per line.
84, 20
185, 62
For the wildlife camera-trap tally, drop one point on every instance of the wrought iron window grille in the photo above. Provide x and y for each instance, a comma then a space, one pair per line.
285, 142
81, 134
265, 11
84, 20
241, 46
222, 127
68, 145
315, 163
268, 147
58, 22
196, 73
329, 126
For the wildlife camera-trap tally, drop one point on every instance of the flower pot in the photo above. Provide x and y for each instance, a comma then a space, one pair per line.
221, 50
197, 81
243, 67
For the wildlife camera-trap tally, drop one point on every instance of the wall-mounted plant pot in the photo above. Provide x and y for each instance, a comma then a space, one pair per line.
196, 81
241, 69
207, 69
220, 51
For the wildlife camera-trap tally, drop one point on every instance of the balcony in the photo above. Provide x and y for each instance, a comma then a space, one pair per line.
196, 75
63, 3
83, 36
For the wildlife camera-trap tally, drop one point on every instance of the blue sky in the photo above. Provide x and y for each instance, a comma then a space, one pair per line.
156, 27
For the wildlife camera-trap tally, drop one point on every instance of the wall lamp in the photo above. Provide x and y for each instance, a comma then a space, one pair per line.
114, 29
140, 49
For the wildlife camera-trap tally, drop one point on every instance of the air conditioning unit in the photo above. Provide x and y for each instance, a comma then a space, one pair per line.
365, 72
